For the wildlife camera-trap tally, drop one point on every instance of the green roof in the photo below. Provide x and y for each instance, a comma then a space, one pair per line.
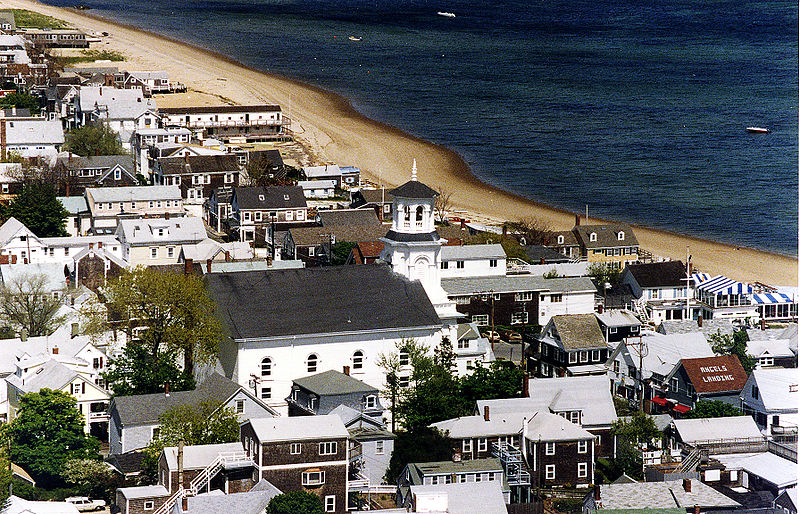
332, 382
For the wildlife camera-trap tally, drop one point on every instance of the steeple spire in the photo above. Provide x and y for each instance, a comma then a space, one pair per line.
414, 170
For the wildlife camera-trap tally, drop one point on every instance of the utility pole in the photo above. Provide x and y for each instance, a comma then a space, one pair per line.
642, 345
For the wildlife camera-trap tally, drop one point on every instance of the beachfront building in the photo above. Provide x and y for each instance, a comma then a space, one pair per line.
107, 205
662, 290
724, 298
150, 82
230, 123
55, 38
611, 244
379, 200
344, 177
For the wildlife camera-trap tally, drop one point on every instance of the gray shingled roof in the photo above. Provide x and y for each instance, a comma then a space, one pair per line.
76, 162
315, 236
254, 501
486, 251
348, 217
134, 193
272, 197
606, 236
264, 304
517, 283
333, 383
659, 274
578, 331
660, 495
199, 164
144, 409
414, 189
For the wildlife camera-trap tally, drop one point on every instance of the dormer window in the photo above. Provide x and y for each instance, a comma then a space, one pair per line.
286, 197
620, 236
593, 236
261, 198
561, 240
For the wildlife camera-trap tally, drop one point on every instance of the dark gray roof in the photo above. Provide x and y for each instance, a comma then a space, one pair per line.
538, 253
263, 304
376, 196
145, 409
348, 217
220, 109
333, 383
414, 189
199, 164
412, 238
97, 161
263, 156
315, 236
272, 197
607, 236
659, 274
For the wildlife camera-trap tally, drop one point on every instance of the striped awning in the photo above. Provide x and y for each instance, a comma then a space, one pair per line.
699, 278
762, 298
724, 285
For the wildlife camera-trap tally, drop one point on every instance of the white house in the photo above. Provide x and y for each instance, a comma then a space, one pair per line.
724, 298
148, 241
107, 205
318, 189
31, 137
124, 110
229, 123
771, 397
12, 49
473, 261
662, 290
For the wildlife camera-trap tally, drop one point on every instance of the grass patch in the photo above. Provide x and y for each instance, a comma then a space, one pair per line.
35, 20
93, 55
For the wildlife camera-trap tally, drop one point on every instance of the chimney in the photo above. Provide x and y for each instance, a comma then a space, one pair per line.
91, 245
526, 392
187, 266
99, 244
763, 324
541, 261
697, 509
180, 464
55, 350
346, 370
600, 309
463, 224
700, 321
505, 229
227, 256
486, 413
166, 215
596, 493
687, 485
577, 220
208, 266
166, 388
184, 503
101, 90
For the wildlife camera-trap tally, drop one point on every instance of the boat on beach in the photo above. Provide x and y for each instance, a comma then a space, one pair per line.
758, 130
446, 14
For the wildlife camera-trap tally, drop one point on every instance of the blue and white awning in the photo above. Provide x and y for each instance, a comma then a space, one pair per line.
724, 285
699, 278
763, 298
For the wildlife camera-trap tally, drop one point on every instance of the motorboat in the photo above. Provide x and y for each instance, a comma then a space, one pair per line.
758, 130
446, 14
353, 38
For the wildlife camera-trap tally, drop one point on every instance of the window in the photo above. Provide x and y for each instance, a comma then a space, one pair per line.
463, 344
460, 264
523, 297
330, 503
117, 174
76, 388
593, 236
403, 358
154, 253
239, 406
519, 317
148, 505
583, 446
266, 393
301, 215
575, 416
550, 472
295, 448
289, 216
620, 236
155, 432
170, 251
328, 448
466, 445
560, 240
152, 204
311, 478
573, 357
378, 447
358, 359
311, 363
480, 319
483, 445
444, 264
583, 470
584, 356
97, 362
402, 381
595, 355
370, 401
266, 367
616, 367
556, 298
549, 448
492, 263
754, 391
673, 384
258, 215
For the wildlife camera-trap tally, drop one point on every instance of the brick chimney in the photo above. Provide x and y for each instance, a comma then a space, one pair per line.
577, 220
188, 264
166, 388
486, 413
687, 485
596, 492
600, 309
55, 350
700, 321
526, 392
208, 266
346, 370
697, 509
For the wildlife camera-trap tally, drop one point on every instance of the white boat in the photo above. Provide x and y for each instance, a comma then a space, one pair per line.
446, 14
758, 130
353, 38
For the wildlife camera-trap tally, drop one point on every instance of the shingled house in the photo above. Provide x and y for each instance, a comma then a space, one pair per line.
662, 289
611, 244
570, 344
198, 175
253, 208
718, 378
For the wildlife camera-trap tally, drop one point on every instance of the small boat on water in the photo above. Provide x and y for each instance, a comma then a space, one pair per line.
758, 130
353, 38
446, 14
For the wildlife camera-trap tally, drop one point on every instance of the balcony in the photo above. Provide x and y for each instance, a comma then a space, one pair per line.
234, 123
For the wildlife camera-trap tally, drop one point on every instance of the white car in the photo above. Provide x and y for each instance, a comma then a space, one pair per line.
84, 504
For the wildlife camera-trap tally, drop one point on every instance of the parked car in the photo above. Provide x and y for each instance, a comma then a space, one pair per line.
84, 504
514, 337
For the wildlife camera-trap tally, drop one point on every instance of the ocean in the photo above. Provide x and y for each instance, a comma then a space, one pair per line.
635, 109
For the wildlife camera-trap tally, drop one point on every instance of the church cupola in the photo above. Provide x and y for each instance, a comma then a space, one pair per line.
414, 203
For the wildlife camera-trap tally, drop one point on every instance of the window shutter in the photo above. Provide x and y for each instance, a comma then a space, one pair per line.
83, 387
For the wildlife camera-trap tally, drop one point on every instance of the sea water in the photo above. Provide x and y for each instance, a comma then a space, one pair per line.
635, 109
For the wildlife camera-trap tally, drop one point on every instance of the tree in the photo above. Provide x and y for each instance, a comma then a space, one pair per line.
95, 478
22, 101
96, 139
424, 445
441, 204
736, 344
138, 371
47, 432
501, 379
341, 251
294, 503
203, 423
531, 231
603, 274
510, 245
713, 409
38, 208
27, 303
167, 312
633, 435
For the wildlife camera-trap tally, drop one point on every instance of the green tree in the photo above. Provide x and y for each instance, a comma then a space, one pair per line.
736, 344
167, 312
295, 502
202, 423
139, 371
47, 432
713, 409
96, 139
501, 379
95, 478
38, 208
27, 303
602, 274
510, 245
639, 428
424, 445
340, 252
21, 101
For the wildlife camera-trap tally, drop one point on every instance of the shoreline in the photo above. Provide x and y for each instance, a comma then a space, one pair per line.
331, 129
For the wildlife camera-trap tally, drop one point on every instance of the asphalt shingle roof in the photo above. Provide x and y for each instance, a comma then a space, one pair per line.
263, 304
272, 197
662, 495
579, 331
414, 189
606, 236
718, 374
348, 217
517, 283
199, 164
333, 383
659, 274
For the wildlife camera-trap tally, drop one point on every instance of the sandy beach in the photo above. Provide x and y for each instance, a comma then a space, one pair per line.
333, 132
